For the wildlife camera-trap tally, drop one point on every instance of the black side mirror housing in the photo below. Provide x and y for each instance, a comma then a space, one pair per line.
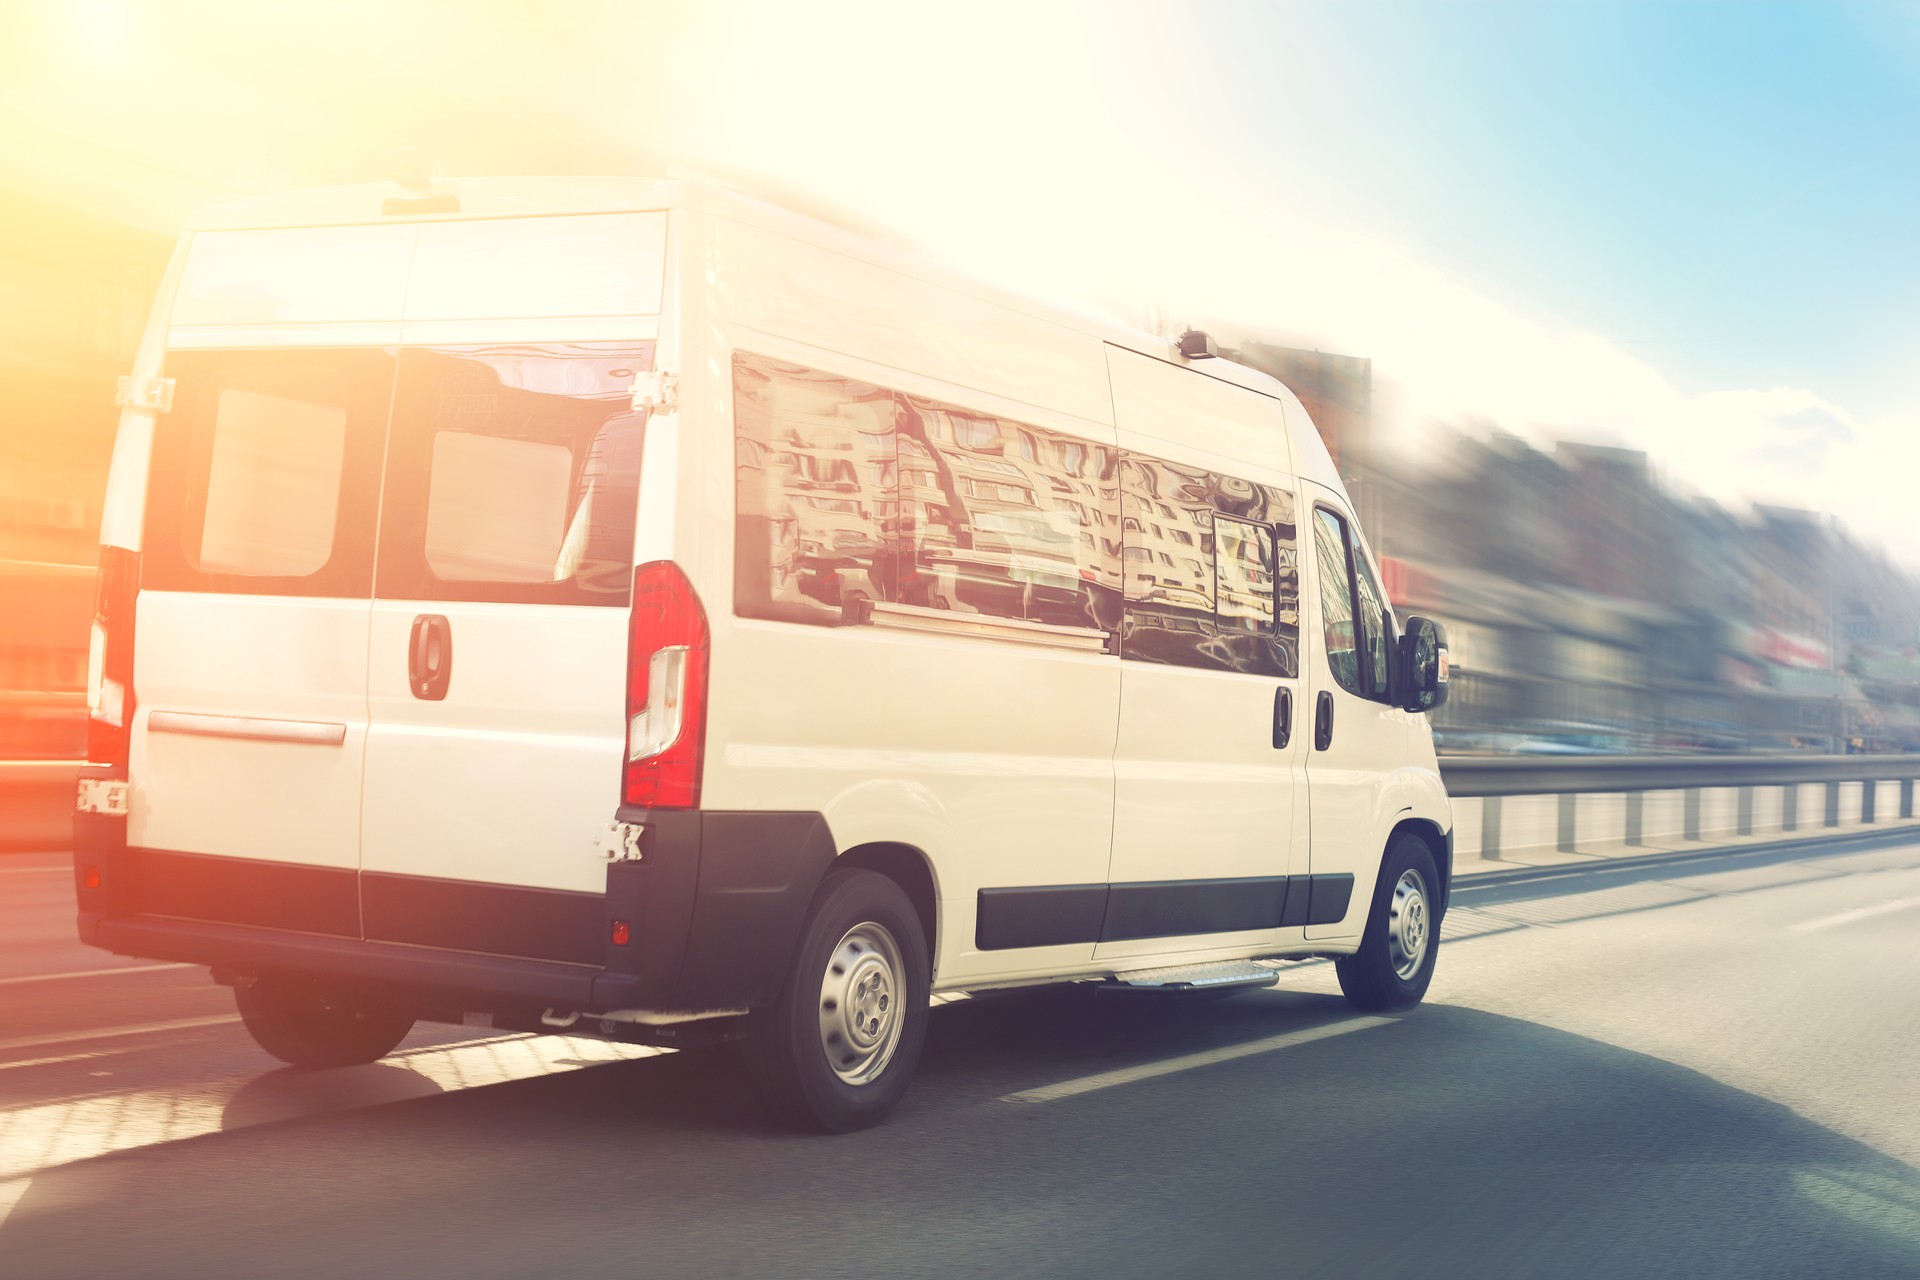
1423, 665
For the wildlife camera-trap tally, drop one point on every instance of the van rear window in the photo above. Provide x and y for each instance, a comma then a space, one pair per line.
513, 474
266, 474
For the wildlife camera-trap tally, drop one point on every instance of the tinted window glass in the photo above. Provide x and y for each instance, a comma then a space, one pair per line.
1006, 519
514, 475
817, 513
265, 475
1211, 576
1336, 600
1376, 626
847, 491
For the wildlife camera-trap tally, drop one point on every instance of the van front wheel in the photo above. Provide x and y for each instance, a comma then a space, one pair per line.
1394, 965
309, 1024
837, 1049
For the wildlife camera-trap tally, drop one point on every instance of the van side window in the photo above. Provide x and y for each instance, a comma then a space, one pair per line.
1356, 637
513, 475
816, 492
845, 491
1001, 518
1215, 583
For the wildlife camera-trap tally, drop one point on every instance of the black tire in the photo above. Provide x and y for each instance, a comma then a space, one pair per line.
313, 1024
842, 973
1372, 977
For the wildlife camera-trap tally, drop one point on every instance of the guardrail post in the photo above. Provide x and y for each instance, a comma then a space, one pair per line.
1743, 822
1490, 829
1569, 827
1833, 804
1692, 820
1636, 817
1790, 807
1869, 793
1906, 797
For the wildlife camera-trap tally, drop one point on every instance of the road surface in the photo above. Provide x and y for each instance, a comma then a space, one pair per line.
1702, 1068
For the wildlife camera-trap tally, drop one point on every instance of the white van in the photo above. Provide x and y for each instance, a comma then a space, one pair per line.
618, 606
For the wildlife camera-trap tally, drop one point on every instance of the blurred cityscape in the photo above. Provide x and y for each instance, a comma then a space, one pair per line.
1591, 608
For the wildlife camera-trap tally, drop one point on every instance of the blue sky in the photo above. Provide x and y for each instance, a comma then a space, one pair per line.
1730, 191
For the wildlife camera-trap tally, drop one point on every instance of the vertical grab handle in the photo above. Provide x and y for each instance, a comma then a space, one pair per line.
430, 657
1323, 721
1282, 717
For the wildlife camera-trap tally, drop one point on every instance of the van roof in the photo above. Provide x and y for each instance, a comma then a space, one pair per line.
524, 197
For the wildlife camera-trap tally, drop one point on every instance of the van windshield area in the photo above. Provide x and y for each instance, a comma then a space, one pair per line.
506, 473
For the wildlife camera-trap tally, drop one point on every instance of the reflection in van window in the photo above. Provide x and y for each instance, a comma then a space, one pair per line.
815, 492
1236, 608
496, 509
514, 475
273, 485
847, 491
1336, 600
1002, 535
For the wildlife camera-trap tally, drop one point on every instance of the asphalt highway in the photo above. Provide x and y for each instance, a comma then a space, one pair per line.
1700, 1068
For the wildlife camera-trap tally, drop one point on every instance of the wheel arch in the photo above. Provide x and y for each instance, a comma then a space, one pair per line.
1438, 842
912, 870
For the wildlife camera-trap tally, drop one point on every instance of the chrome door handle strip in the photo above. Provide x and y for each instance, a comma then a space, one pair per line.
316, 732
908, 617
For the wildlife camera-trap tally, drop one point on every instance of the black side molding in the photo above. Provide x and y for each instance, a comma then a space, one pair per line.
1055, 915
1044, 916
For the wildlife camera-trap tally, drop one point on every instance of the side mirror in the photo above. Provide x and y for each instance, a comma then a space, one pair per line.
1423, 665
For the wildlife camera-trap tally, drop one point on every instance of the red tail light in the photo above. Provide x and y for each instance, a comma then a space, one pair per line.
110, 658
666, 690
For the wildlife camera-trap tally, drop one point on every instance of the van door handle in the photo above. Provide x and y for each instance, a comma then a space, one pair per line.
1323, 721
1282, 717
430, 657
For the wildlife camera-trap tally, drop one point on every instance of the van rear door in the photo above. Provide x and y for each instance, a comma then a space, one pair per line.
498, 651
250, 648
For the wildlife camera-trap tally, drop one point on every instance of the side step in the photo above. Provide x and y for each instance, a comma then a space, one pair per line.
1226, 973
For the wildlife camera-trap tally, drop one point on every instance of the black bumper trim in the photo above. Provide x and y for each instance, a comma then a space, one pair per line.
565, 986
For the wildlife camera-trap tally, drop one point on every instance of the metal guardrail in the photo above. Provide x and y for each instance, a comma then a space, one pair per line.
1468, 776
1483, 782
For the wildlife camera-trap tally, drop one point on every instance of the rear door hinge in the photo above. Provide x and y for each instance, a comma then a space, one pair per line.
656, 391
146, 394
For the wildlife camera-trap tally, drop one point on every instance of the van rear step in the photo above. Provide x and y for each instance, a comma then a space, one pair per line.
1226, 973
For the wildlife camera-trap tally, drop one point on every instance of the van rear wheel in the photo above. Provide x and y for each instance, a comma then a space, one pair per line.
312, 1024
1394, 965
837, 1049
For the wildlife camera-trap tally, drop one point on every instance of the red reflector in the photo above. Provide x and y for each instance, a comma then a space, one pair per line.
91, 877
622, 933
110, 658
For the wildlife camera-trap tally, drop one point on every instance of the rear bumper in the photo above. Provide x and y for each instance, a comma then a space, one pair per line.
713, 911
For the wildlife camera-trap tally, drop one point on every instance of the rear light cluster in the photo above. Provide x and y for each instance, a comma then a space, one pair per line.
666, 690
110, 658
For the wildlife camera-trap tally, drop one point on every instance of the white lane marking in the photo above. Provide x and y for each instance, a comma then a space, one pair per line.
38, 1137
114, 1033
1858, 913
1168, 1066
65, 1057
93, 973
10, 1194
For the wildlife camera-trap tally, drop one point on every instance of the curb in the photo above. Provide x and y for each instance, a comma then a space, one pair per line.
1522, 875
